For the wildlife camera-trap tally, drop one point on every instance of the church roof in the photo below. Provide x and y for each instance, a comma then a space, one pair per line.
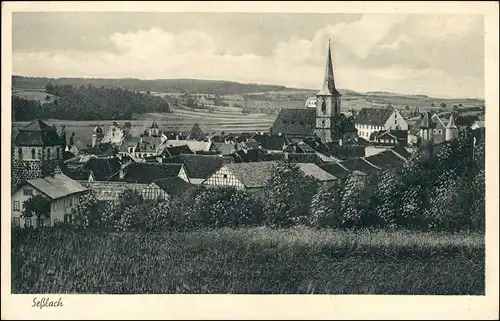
295, 122
38, 133
329, 81
451, 122
373, 116
196, 132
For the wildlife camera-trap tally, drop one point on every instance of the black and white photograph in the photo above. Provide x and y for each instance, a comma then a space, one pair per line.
264, 153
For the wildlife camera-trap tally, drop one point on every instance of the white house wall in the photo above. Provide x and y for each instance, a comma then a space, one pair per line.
223, 177
57, 207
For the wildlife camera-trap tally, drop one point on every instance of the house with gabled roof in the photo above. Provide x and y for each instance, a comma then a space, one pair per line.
199, 167
195, 133
370, 120
336, 169
165, 188
61, 191
256, 175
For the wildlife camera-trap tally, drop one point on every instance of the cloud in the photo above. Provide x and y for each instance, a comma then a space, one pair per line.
377, 52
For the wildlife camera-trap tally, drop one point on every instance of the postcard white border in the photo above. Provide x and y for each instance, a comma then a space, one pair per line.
266, 306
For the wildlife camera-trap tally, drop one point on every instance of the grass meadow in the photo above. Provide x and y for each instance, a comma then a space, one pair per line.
250, 260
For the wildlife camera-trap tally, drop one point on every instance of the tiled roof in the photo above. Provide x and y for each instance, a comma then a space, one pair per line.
295, 122
177, 150
173, 185
252, 175
345, 152
271, 142
103, 168
57, 186
194, 145
196, 132
336, 170
38, 133
199, 166
400, 150
303, 158
359, 164
373, 116
315, 171
223, 148
145, 173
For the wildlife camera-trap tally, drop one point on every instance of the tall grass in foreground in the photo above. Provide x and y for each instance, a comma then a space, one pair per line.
249, 260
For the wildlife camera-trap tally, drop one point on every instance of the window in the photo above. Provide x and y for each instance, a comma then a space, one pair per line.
323, 107
66, 218
323, 122
439, 131
39, 222
27, 191
20, 152
76, 201
17, 221
27, 222
23, 205
57, 152
39, 154
48, 153
54, 206
33, 153
225, 175
16, 206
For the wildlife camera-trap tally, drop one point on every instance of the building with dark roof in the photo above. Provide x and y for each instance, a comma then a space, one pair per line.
36, 151
336, 169
198, 167
165, 188
370, 120
145, 173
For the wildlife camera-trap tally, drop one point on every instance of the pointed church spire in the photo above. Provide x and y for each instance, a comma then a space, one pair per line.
329, 81
451, 122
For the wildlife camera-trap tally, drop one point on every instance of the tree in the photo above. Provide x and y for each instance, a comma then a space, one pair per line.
443, 105
407, 107
288, 196
325, 206
37, 206
49, 88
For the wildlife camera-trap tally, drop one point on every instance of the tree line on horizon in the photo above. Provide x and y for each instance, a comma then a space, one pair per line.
87, 103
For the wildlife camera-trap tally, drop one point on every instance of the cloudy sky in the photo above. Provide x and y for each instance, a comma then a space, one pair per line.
438, 55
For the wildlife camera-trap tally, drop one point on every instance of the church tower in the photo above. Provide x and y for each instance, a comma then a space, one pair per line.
36, 152
328, 103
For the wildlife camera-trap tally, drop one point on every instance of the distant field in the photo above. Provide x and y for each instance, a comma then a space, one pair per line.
34, 94
248, 260
223, 119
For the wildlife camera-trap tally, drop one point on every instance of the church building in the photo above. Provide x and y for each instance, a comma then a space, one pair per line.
321, 116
